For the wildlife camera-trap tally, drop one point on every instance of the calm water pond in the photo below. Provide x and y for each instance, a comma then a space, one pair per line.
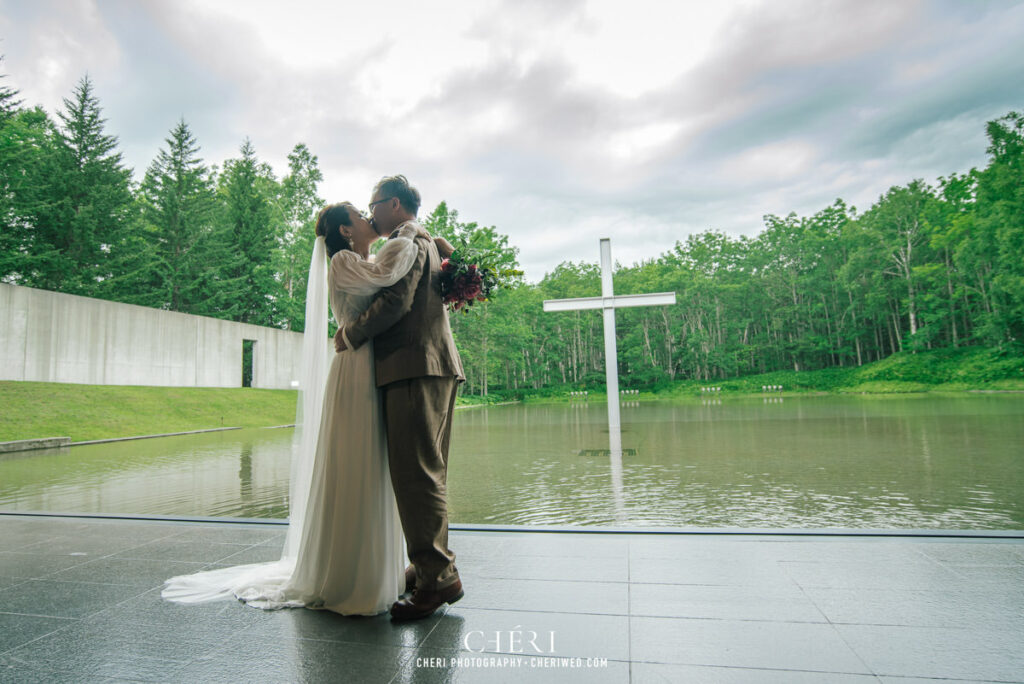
875, 462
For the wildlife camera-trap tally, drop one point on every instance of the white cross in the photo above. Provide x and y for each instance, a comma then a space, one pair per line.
609, 302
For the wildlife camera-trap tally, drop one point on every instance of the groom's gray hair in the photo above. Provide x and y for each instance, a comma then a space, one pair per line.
398, 187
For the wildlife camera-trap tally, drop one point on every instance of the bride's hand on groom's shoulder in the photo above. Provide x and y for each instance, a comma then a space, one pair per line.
444, 248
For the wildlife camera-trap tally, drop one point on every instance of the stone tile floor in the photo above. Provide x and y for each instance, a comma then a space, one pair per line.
80, 602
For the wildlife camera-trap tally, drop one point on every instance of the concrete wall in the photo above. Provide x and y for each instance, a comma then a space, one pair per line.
53, 337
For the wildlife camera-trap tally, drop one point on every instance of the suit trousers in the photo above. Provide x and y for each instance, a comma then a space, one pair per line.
418, 416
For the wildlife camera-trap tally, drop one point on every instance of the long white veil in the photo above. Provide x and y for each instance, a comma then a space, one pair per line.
265, 584
312, 380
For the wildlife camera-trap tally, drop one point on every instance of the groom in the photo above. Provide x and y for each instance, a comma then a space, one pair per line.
418, 370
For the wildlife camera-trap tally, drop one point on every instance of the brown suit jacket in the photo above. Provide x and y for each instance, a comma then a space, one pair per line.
408, 322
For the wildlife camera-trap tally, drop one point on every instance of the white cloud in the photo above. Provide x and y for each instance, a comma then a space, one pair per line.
557, 122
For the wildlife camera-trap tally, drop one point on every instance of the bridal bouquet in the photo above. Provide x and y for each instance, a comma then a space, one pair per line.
470, 275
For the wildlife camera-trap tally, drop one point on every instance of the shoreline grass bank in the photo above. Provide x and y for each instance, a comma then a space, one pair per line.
87, 412
962, 370
33, 410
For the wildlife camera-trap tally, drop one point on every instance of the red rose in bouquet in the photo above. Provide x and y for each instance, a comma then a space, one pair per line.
463, 283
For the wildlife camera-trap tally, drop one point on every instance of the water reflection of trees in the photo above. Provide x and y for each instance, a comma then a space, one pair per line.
245, 472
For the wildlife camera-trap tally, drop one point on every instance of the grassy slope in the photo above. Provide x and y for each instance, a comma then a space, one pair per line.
29, 410
83, 412
35, 409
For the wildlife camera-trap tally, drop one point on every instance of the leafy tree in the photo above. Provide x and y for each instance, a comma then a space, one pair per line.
897, 221
1001, 216
472, 329
923, 267
300, 204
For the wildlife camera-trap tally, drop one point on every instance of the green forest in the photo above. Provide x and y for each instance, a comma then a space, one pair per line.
930, 265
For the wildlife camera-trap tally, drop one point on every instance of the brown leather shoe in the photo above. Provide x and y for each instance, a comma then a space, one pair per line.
410, 578
424, 603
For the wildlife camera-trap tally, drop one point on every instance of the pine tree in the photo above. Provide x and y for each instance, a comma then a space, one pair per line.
8, 104
87, 205
178, 206
12, 235
244, 243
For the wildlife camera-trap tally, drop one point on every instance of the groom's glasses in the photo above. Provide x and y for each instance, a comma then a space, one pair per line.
378, 202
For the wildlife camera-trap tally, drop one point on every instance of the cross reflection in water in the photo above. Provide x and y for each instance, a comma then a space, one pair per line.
614, 453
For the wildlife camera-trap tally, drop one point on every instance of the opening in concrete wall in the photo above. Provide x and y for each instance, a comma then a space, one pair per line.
248, 352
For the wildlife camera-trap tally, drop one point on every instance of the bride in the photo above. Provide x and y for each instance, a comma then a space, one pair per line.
344, 549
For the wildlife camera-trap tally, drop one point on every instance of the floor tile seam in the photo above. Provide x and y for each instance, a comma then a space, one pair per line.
544, 579
223, 645
524, 655
753, 621
543, 612
323, 640
902, 564
70, 666
44, 555
52, 578
122, 547
211, 652
277, 531
142, 623
115, 605
629, 608
50, 575
972, 628
707, 584
174, 560
712, 618
31, 641
1015, 565
583, 560
437, 623
414, 649
533, 655
6, 654
212, 649
968, 629
183, 542
402, 662
244, 545
743, 668
39, 615
549, 581
821, 611
764, 669
856, 654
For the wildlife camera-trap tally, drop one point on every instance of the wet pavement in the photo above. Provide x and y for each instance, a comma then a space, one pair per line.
80, 602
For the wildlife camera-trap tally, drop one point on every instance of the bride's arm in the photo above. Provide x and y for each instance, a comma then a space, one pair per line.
352, 274
444, 248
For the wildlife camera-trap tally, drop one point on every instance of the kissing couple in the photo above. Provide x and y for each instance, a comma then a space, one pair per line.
370, 458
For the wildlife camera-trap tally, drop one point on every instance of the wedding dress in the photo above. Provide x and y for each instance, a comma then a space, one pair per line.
344, 550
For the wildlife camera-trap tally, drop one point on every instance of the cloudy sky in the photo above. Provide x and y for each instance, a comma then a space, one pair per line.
558, 121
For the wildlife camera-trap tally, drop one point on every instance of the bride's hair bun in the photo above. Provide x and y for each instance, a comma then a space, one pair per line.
329, 223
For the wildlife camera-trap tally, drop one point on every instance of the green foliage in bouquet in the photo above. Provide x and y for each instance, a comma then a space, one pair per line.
471, 275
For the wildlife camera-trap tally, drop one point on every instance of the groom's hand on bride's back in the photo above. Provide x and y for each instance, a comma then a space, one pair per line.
339, 342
